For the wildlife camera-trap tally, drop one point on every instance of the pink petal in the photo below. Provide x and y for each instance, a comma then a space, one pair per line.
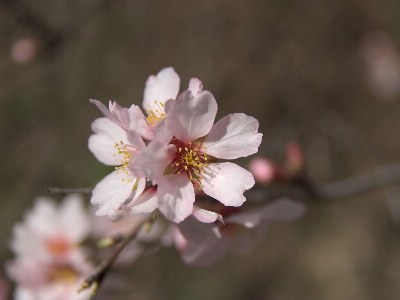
111, 192
247, 219
227, 182
161, 132
74, 218
195, 86
121, 113
138, 123
152, 161
192, 117
106, 112
204, 244
206, 216
283, 210
233, 136
146, 203
161, 88
135, 140
175, 197
102, 143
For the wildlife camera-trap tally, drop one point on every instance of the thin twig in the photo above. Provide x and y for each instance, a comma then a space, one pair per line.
378, 178
58, 190
102, 269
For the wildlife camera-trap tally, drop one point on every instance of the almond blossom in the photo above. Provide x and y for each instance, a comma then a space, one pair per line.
50, 232
190, 159
115, 142
204, 244
50, 262
119, 136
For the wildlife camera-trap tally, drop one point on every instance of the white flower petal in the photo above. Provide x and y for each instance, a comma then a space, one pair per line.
106, 112
175, 197
161, 88
226, 182
152, 161
282, 210
74, 219
195, 86
233, 136
192, 117
161, 132
102, 143
247, 219
138, 123
111, 192
146, 203
206, 216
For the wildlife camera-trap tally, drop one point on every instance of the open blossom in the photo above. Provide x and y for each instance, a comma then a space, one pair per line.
50, 232
114, 143
119, 136
50, 262
49, 280
190, 159
203, 244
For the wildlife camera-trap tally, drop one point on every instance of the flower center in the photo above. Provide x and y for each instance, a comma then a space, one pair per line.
58, 246
63, 274
157, 114
127, 151
191, 159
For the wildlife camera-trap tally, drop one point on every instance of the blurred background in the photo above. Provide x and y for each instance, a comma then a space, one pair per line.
324, 73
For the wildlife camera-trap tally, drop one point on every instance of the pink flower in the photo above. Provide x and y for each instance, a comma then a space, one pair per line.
190, 159
114, 145
119, 136
159, 89
204, 244
48, 280
50, 262
50, 232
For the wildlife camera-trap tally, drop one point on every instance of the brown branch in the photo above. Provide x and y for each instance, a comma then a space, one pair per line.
58, 190
102, 269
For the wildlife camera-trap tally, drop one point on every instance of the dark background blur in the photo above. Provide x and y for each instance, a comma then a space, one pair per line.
324, 73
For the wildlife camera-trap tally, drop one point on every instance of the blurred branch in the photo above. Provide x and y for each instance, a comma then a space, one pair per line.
358, 184
101, 270
57, 190
303, 188
378, 178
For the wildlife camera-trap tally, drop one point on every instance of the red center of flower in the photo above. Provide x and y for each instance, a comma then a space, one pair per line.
191, 159
58, 246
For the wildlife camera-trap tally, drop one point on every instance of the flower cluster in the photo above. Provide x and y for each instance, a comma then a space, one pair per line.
50, 262
53, 243
177, 146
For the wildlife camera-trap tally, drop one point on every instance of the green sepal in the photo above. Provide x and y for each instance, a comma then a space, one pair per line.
172, 168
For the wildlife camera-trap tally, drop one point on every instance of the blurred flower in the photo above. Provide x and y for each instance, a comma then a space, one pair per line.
4, 289
264, 170
190, 157
24, 50
294, 158
204, 244
52, 232
50, 262
383, 64
109, 232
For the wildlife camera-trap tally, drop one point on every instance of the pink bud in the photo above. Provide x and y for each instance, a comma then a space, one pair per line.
294, 157
264, 171
24, 50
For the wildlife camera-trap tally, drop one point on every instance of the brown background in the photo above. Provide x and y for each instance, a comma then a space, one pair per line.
295, 65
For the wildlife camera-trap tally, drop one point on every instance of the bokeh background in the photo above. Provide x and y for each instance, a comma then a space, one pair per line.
324, 73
